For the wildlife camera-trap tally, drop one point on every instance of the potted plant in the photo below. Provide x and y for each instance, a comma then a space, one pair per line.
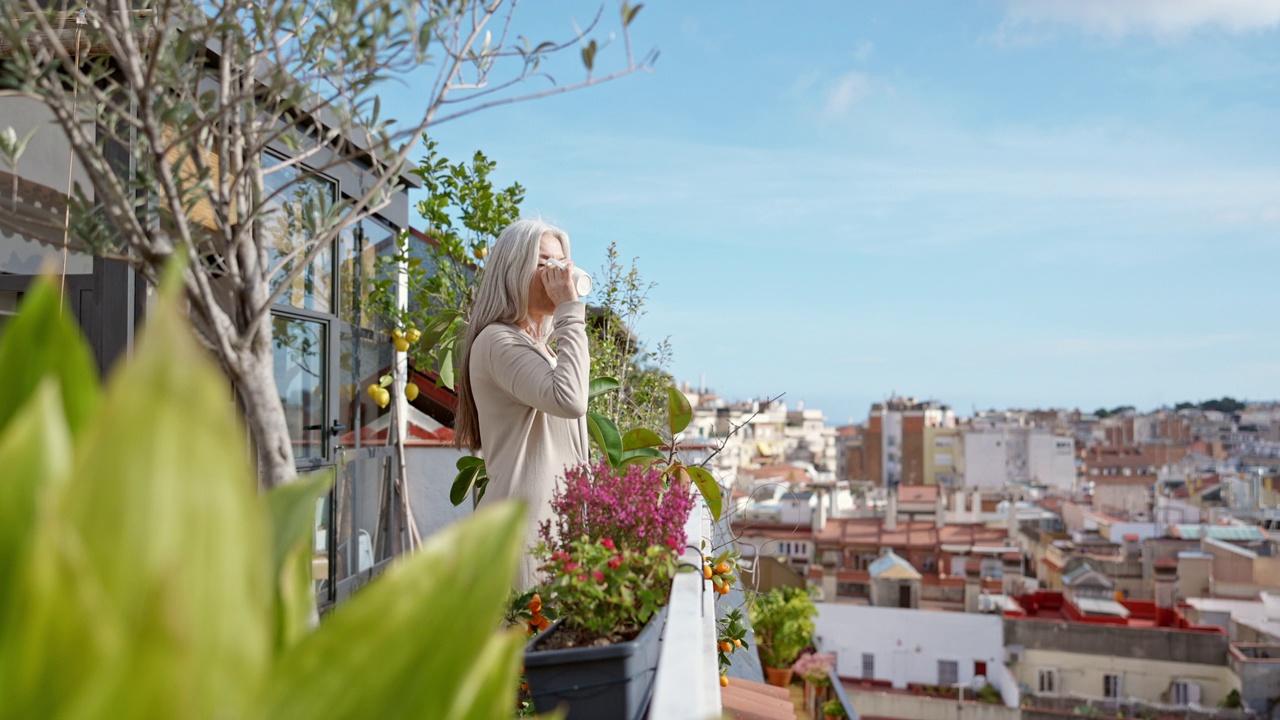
783, 623
815, 670
834, 709
609, 557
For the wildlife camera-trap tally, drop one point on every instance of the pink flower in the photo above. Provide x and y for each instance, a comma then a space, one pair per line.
627, 507
597, 575
570, 567
582, 577
615, 562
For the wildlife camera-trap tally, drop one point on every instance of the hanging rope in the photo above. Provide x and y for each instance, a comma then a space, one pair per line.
71, 164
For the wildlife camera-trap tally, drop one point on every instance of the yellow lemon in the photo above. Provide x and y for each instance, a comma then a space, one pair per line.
411, 391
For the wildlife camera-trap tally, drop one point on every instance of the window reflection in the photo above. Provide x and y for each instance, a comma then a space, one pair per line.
363, 358
358, 251
363, 513
300, 377
320, 565
298, 207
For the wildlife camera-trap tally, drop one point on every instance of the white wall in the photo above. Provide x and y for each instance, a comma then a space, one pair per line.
915, 707
431, 474
1053, 460
46, 161
796, 511
907, 644
984, 459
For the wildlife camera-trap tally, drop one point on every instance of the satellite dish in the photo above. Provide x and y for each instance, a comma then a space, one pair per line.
978, 682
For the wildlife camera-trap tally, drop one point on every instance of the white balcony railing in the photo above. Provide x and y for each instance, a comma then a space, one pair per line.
688, 681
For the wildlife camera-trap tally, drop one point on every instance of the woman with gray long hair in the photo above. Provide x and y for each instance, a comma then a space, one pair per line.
519, 400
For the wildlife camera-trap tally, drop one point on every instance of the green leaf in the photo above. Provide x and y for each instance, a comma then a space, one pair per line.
40, 341
35, 452
436, 328
629, 12
462, 484
446, 369
602, 385
606, 437
709, 488
428, 624
679, 414
641, 456
640, 438
160, 537
589, 55
292, 509
467, 461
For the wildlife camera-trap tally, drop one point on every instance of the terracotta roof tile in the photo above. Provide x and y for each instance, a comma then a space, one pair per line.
917, 493
746, 700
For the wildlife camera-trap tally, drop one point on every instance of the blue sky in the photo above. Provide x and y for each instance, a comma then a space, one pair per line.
1018, 203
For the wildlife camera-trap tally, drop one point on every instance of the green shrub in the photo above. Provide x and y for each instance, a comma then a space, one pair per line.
783, 624
145, 577
989, 694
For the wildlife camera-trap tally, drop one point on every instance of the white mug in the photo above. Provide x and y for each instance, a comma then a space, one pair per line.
581, 280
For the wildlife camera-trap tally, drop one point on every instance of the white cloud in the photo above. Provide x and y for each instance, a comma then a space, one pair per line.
847, 90
1161, 18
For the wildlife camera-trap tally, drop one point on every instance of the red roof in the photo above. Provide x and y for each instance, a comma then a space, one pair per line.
1056, 607
919, 534
423, 431
746, 700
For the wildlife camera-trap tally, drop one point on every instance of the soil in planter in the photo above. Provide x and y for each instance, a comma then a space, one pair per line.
565, 637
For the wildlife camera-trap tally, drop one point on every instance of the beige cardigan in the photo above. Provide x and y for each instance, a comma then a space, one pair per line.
532, 409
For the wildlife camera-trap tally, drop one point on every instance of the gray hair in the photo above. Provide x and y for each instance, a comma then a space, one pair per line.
503, 297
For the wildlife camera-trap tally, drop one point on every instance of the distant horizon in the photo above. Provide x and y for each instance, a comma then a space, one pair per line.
1012, 408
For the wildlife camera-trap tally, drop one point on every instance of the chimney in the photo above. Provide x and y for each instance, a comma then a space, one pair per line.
957, 503
975, 512
1011, 519
1166, 577
891, 511
1012, 573
939, 509
828, 584
972, 585
1132, 547
818, 514
826, 581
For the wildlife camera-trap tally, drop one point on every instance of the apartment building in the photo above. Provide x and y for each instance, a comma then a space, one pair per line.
893, 445
998, 456
1086, 646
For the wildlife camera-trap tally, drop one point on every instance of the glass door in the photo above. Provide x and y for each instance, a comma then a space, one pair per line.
302, 377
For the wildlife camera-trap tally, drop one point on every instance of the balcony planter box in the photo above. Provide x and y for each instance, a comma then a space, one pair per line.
614, 681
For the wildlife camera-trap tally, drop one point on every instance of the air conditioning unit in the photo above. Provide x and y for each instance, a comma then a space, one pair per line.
1013, 654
